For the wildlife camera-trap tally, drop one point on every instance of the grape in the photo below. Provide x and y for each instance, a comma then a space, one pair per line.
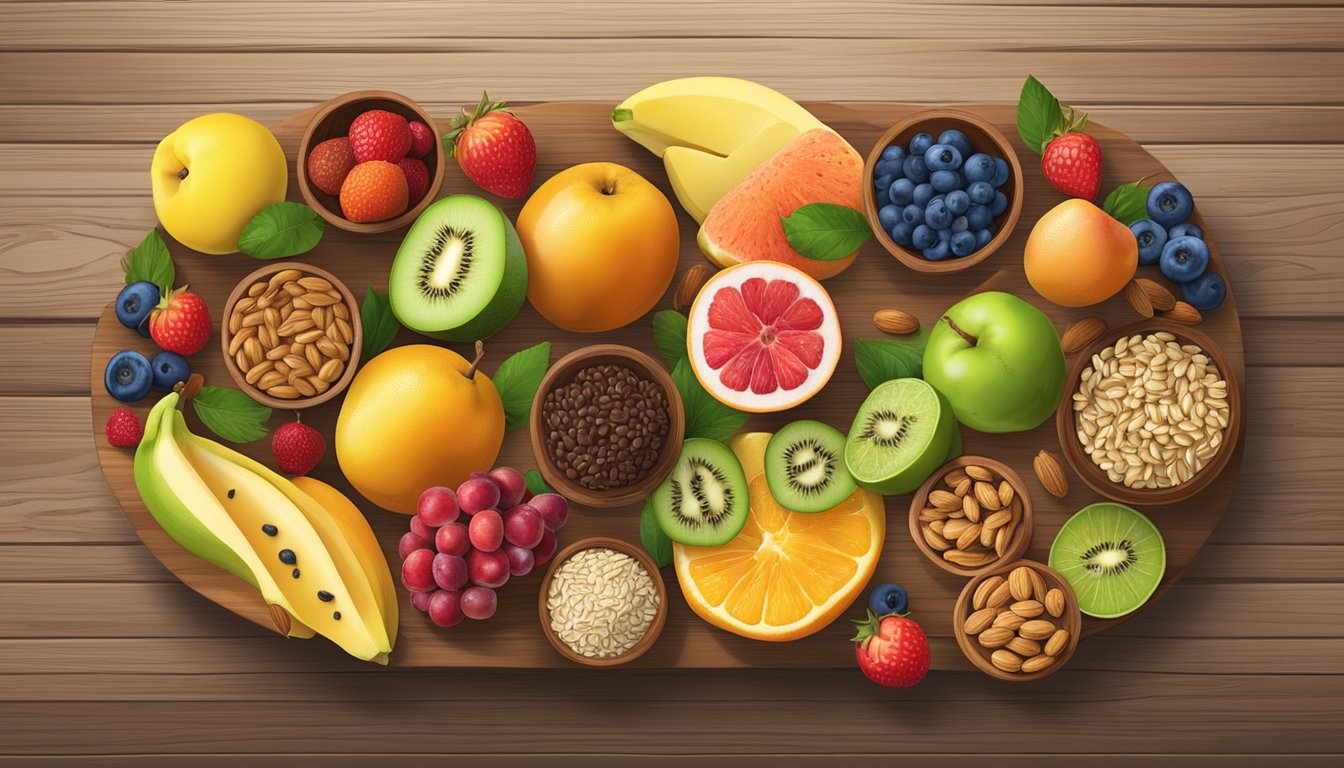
546, 549
521, 559
410, 541
477, 494
420, 600
420, 528
478, 475
479, 602
488, 569
553, 508
450, 571
417, 573
452, 539
511, 484
487, 530
437, 506
445, 608
523, 526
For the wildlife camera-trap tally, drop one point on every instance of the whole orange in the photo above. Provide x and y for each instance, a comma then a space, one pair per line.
374, 191
601, 244
1077, 255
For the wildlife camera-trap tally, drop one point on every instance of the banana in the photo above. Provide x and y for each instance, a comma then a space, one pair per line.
700, 178
246, 519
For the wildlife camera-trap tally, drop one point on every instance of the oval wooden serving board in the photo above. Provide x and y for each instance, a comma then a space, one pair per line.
577, 132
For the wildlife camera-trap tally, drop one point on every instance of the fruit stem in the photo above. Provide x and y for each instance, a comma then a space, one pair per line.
968, 337
480, 354
182, 174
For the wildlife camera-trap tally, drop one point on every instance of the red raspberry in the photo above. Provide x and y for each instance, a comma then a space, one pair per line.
422, 139
417, 179
297, 448
1072, 164
181, 323
380, 135
123, 429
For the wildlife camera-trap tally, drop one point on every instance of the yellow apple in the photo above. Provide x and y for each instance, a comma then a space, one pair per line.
212, 175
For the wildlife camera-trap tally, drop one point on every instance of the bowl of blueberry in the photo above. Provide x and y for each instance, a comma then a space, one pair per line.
944, 191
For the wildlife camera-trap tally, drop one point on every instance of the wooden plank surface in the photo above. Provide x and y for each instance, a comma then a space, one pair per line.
1240, 99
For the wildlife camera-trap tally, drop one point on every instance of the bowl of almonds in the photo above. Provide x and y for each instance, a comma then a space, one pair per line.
970, 515
1018, 622
291, 335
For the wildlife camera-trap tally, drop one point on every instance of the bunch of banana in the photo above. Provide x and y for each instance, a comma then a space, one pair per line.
301, 543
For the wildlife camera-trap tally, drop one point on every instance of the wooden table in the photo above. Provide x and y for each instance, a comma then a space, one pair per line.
104, 655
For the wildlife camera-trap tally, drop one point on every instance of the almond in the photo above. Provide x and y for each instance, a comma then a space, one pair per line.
982, 592
1082, 332
999, 596
995, 637
953, 529
998, 520
971, 508
944, 500
1009, 620
1037, 629
979, 473
896, 322
987, 496
968, 536
1051, 474
1158, 294
692, 280
1006, 660
1027, 609
1037, 663
1184, 314
979, 621
1054, 602
968, 559
1037, 586
1056, 643
935, 541
1006, 493
1019, 583
1138, 299
1024, 647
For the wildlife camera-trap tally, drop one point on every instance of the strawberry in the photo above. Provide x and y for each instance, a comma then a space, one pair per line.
892, 650
380, 135
123, 429
417, 179
181, 322
494, 149
328, 164
1072, 165
422, 139
374, 191
297, 448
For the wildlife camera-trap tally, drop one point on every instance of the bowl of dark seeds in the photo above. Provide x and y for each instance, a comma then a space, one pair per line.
607, 425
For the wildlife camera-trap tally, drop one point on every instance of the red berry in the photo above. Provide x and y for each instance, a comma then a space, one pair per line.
417, 571
512, 486
420, 600
123, 428
181, 323
488, 569
495, 150
544, 551
523, 526
521, 561
553, 508
417, 179
1072, 165
453, 539
476, 494
487, 530
421, 529
374, 191
422, 139
329, 163
445, 608
479, 603
297, 448
380, 135
437, 506
450, 571
410, 541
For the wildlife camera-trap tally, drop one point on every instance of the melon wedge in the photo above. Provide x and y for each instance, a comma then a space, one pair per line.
816, 167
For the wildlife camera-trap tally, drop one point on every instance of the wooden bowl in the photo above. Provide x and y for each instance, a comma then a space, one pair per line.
650, 636
562, 373
1072, 620
1021, 537
984, 138
1092, 475
239, 375
333, 121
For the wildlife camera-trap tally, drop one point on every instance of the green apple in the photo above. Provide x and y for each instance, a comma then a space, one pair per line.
997, 360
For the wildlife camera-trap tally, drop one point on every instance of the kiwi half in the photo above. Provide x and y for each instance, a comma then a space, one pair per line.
1112, 556
704, 501
460, 274
805, 467
902, 432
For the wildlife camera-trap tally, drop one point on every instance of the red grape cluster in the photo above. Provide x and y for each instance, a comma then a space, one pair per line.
452, 566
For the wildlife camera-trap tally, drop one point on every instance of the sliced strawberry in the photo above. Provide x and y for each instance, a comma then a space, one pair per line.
729, 311
803, 315
807, 346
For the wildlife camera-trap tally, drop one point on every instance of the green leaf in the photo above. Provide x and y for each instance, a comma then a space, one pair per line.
705, 416
231, 414
1127, 203
536, 483
281, 230
1038, 115
669, 333
826, 231
652, 537
517, 380
380, 323
880, 360
150, 261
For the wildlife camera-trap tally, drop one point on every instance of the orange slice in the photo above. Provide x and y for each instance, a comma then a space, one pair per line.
787, 574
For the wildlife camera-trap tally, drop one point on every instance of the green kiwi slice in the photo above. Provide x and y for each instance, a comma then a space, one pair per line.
901, 433
704, 501
805, 467
1112, 556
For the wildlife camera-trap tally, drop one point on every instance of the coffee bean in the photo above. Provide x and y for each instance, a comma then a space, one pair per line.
606, 429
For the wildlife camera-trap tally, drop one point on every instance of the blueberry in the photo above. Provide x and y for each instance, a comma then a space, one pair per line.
983, 237
957, 139
914, 169
923, 237
958, 201
924, 193
128, 376
942, 157
963, 243
1205, 292
945, 181
1170, 203
902, 192
888, 599
888, 215
981, 192
959, 224
938, 215
143, 327
135, 302
1184, 259
1000, 172
920, 143
912, 214
1152, 237
1181, 230
941, 249
887, 168
999, 205
979, 167
979, 216
901, 233
893, 152
169, 368
883, 182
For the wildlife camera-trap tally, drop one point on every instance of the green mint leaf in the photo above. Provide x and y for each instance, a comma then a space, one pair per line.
1127, 203
150, 261
281, 230
669, 334
231, 414
705, 416
536, 483
652, 537
826, 231
380, 323
880, 360
1038, 115
517, 380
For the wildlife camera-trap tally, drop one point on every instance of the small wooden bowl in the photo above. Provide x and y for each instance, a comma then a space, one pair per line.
562, 373
1092, 475
1072, 620
333, 121
650, 636
239, 376
984, 138
1021, 537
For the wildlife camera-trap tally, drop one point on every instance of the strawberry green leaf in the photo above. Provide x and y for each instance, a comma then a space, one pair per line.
651, 535
880, 360
380, 323
281, 230
231, 414
669, 334
1038, 115
705, 416
517, 380
151, 262
1127, 203
826, 231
